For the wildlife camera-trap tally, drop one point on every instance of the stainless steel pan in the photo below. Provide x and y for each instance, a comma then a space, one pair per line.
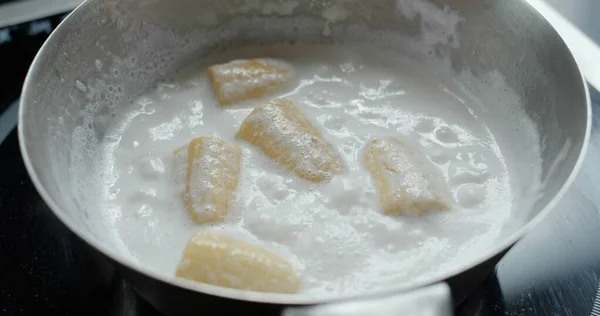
108, 43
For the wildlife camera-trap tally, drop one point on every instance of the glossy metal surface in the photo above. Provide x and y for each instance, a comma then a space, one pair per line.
546, 77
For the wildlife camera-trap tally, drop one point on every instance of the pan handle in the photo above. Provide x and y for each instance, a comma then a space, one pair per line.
433, 300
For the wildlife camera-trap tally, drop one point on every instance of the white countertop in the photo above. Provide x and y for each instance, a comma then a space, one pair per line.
584, 49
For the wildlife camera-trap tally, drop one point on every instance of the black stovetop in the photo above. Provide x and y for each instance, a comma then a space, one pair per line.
46, 270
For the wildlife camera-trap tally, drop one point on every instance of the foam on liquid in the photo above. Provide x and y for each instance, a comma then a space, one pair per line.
333, 233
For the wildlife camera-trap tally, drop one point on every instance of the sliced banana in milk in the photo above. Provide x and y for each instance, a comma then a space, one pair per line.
180, 157
246, 79
207, 171
285, 135
406, 180
220, 260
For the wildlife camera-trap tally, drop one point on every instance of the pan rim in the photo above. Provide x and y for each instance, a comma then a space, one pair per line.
275, 298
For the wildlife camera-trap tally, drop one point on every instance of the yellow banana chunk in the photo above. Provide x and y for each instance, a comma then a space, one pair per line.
407, 182
208, 170
244, 79
220, 260
285, 135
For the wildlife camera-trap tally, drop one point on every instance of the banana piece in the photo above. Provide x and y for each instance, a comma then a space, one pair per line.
285, 135
220, 260
246, 79
180, 156
406, 181
207, 171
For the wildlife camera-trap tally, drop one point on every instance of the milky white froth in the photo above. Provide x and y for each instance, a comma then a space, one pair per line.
334, 232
